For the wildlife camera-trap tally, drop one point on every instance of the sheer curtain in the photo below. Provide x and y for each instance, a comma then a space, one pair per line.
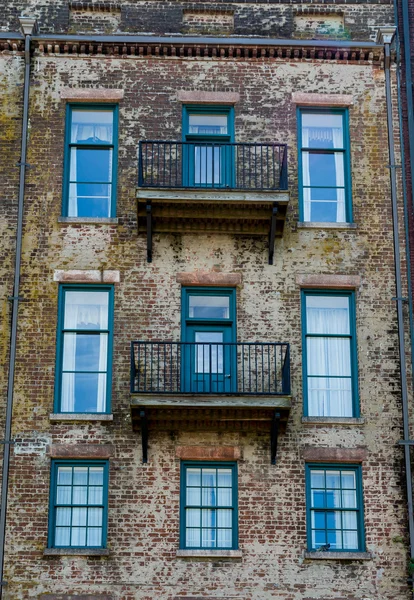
328, 396
306, 176
339, 171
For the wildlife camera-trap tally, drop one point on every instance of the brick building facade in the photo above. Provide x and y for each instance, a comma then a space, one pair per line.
247, 445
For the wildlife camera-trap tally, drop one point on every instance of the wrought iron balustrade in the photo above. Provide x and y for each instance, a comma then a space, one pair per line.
212, 165
210, 368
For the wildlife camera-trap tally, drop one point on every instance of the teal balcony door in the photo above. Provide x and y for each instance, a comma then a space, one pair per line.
209, 354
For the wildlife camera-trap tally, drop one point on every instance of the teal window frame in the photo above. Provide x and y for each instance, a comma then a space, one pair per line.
354, 468
68, 145
53, 505
234, 507
228, 157
229, 327
346, 150
60, 336
351, 336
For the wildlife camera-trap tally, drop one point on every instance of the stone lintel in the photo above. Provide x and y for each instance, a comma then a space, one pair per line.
87, 451
201, 278
200, 97
329, 281
208, 452
209, 554
339, 455
80, 417
78, 552
338, 555
306, 99
333, 421
86, 276
91, 95
74, 597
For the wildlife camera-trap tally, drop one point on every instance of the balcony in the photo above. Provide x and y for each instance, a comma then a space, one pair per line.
210, 387
212, 187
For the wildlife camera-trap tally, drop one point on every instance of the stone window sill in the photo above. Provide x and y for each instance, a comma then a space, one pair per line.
80, 417
315, 225
76, 552
209, 554
338, 555
333, 421
89, 220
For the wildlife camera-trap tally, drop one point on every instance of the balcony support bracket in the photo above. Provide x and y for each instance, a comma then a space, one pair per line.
273, 437
144, 435
149, 231
272, 234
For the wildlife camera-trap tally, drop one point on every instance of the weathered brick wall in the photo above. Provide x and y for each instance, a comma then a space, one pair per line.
144, 499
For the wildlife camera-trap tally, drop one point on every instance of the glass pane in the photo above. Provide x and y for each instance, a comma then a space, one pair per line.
330, 397
333, 520
349, 520
209, 307
90, 165
322, 130
80, 475
224, 538
63, 516
349, 499
224, 497
323, 170
79, 516
335, 539
95, 495
208, 124
209, 518
90, 200
193, 517
92, 126
209, 165
85, 352
317, 479
63, 495
192, 538
193, 496
318, 499
329, 356
318, 520
318, 538
62, 536
64, 476
348, 480
350, 540
209, 357
96, 475
330, 210
327, 314
209, 477
86, 310
333, 499
95, 517
209, 497
80, 494
193, 476
208, 539
224, 477
78, 536
83, 392
224, 518
94, 536
333, 479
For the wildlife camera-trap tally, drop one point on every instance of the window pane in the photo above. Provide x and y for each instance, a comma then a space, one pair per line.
209, 307
64, 495
224, 477
318, 520
64, 476
209, 477
80, 494
333, 499
208, 124
333, 520
349, 520
349, 499
224, 518
318, 538
317, 479
318, 499
95, 517
78, 536
86, 310
224, 538
79, 516
330, 397
193, 496
350, 540
322, 130
335, 539
90, 165
323, 169
348, 480
63, 517
193, 517
330, 210
62, 536
333, 479
94, 536
92, 126
83, 392
80, 475
85, 352
224, 497
327, 314
192, 538
209, 356
95, 495
329, 356
209, 497
209, 518
96, 475
90, 200
194, 477
208, 539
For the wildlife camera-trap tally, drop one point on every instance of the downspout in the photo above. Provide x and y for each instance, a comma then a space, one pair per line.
385, 36
28, 26
409, 88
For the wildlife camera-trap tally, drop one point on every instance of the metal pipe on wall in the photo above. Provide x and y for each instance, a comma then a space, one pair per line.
28, 26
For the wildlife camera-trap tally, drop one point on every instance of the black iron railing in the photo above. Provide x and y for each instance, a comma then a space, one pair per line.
212, 165
210, 368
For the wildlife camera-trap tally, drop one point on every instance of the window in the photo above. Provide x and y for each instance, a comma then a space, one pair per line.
208, 159
209, 505
208, 360
324, 166
90, 161
83, 382
78, 504
329, 350
334, 508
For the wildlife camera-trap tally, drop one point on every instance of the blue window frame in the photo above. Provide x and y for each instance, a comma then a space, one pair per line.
208, 159
324, 165
330, 372
90, 161
208, 508
335, 520
84, 349
78, 504
208, 359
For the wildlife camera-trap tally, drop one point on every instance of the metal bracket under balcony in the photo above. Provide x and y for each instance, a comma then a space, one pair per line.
212, 188
210, 387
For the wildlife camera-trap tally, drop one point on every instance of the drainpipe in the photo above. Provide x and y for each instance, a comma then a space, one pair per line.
28, 26
385, 37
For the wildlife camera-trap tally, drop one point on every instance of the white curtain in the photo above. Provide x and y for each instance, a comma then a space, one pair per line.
81, 132
306, 176
328, 356
340, 179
